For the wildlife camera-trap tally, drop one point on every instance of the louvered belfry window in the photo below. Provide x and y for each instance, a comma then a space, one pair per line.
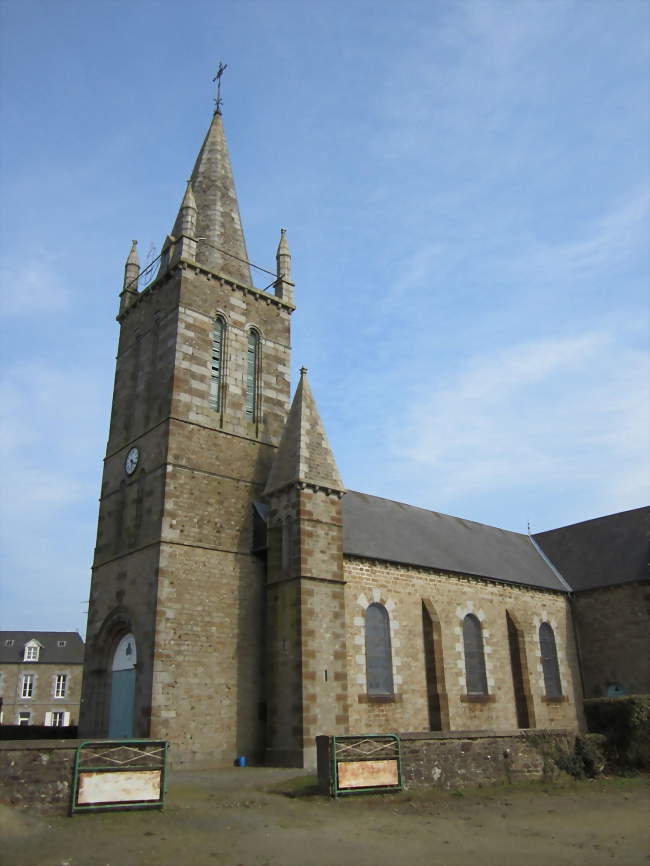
475, 675
379, 660
251, 375
550, 667
218, 333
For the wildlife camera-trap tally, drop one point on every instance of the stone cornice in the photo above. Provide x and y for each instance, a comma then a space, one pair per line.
186, 264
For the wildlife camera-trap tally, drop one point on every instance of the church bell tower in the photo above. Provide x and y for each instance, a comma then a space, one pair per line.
176, 619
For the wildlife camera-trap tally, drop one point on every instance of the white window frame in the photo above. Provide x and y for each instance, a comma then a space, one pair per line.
27, 686
24, 718
57, 719
32, 651
60, 685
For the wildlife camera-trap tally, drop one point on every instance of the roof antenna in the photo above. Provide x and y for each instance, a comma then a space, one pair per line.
220, 71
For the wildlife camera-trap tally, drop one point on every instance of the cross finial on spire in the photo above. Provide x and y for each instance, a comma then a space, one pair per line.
220, 71
303, 372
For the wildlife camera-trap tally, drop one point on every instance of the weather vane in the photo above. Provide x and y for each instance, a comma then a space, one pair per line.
220, 71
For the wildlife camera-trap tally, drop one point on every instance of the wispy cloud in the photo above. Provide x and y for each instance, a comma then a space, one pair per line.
31, 283
556, 412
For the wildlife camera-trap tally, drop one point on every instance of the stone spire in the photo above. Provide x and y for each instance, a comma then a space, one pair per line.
131, 273
304, 454
283, 286
221, 246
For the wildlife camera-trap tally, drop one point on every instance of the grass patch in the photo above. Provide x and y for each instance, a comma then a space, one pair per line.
300, 786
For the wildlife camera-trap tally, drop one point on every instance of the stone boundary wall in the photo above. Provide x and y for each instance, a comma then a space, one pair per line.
457, 759
37, 773
460, 758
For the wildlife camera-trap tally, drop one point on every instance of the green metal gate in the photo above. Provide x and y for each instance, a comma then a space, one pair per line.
119, 774
365, 763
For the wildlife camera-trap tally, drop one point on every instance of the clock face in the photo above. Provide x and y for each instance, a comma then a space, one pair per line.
131, 461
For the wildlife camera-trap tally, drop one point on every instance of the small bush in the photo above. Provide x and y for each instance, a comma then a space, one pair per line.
625, 724
580, 758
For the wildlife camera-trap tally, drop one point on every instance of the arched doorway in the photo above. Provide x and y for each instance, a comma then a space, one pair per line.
120, 718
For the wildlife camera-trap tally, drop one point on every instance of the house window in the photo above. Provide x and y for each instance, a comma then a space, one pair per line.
24, 719
218, 333
9, 643
550, 667
58, 719
60, 643
379, 659
27, 686
252, 365
475, 675
32, 651
60, 685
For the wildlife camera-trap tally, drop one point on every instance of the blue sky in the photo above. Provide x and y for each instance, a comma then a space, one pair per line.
465, 187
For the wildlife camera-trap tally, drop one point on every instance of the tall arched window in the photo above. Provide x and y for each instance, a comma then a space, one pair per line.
252, 366
475, 675
379, 659
218, 334
550, 667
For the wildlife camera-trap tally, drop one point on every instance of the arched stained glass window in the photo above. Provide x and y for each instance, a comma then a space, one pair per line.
252, 366
379, 659
475, 675
550, 667
218, 334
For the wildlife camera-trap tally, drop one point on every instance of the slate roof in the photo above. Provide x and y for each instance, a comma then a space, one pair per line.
605, 551
51, 653
377, 528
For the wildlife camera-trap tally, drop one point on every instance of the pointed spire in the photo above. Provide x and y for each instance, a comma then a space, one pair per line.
188, 205
304, 454
221, 246
283, 286
131, 274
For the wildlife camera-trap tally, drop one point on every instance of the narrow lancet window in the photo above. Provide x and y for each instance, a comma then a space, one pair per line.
475, 675
550, 667
379, 659
252, 365
218, 334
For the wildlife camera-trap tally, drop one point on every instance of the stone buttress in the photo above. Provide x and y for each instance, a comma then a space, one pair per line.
306, 654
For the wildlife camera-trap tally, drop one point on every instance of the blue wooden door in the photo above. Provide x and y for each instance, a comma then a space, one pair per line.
120, 719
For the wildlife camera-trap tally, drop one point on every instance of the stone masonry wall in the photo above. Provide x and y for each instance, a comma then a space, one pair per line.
455, 760
37, 774
402, 589
614, 639
306, 673
173, 560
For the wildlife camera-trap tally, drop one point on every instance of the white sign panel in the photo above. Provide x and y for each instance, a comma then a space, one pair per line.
120, 787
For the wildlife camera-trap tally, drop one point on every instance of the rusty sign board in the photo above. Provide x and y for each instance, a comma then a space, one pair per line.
368, 774
119, 774
118, 787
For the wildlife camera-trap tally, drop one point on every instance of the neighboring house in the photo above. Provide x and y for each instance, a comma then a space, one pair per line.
40, 677
243, 601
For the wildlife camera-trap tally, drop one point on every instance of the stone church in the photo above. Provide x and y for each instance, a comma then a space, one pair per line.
243, 601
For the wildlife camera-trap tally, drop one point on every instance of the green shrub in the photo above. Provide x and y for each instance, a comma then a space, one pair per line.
625, 723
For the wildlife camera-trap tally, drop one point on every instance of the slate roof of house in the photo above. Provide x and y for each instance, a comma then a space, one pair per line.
382, 529
602, 552
51, 652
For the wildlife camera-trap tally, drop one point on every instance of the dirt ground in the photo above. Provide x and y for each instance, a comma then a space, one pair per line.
265, 817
